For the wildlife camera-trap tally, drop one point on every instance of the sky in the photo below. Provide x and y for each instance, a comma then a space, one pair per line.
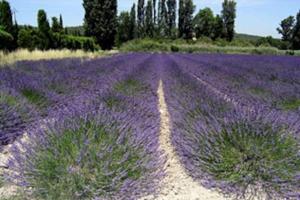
257, 17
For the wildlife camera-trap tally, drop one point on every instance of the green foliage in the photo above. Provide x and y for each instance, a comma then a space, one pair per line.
28, 37
56, 27
144, 45
74, 42
204, 23
245, 154
6, 40
6, 20
35, 97
129, 87
291, 104
101, 21
149, 25
296, 33
204, 45
132, 24
174, 48
286, 28
186, 11
218, 28
171, 21
270, 41
229, 15
61, 175
140, 18
124, 27
44, 30
162, 18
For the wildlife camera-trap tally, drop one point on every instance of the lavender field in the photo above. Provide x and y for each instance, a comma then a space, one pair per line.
151, 126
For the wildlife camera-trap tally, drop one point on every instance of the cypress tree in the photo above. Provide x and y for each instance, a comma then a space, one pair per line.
101, 21
6, 20
171, 16
229, 15
61, 23
218, 29
132, 29
55, 27
149, 26
181, 18
188, 19
44, 30
123, 34
296, 33
162, 17
141, 17
154, 11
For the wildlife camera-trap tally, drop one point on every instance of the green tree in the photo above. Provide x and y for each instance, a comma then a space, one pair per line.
171, 4
286, 29
229, 15
218, 29
44, 30
185, 25
296, 33
188, 21
28, 38
141, 17
162, 18
123, 34
101, 21
61, 23
149, 26
204, 23
181, 18
132, 25
154, 11
56, 28
6, 20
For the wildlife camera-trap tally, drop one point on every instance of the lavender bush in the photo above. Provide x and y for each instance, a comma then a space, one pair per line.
94, 150
240, 152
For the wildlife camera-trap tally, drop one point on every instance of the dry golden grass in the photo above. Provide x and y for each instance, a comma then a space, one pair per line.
23, 54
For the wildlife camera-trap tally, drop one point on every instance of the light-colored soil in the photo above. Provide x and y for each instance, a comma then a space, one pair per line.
7, 190
177, 185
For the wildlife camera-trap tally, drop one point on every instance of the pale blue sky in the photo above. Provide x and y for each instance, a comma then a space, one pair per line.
259, 17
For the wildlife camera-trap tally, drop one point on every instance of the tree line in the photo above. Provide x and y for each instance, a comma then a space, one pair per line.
44, 36
156, 19
290, 31
104, 28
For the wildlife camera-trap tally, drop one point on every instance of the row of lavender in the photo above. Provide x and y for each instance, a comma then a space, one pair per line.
100, 139
266, 80
31, 91
240, 152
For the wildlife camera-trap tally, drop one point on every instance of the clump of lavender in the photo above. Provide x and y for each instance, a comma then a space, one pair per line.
249, 153
82, 159
14, 116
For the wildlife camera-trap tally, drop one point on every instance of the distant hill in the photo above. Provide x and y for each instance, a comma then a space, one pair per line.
247, 37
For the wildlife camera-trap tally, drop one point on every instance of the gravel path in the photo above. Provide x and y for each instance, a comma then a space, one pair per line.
177, 185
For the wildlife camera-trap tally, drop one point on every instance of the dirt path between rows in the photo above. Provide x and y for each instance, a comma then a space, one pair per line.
177, 185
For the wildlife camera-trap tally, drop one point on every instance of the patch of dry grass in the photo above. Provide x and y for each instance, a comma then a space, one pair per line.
23, 54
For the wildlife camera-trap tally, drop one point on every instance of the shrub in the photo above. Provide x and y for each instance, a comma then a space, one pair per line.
74, 42
6, 40
28, 38
174, 48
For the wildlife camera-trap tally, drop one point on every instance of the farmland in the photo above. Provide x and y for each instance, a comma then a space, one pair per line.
151, 126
